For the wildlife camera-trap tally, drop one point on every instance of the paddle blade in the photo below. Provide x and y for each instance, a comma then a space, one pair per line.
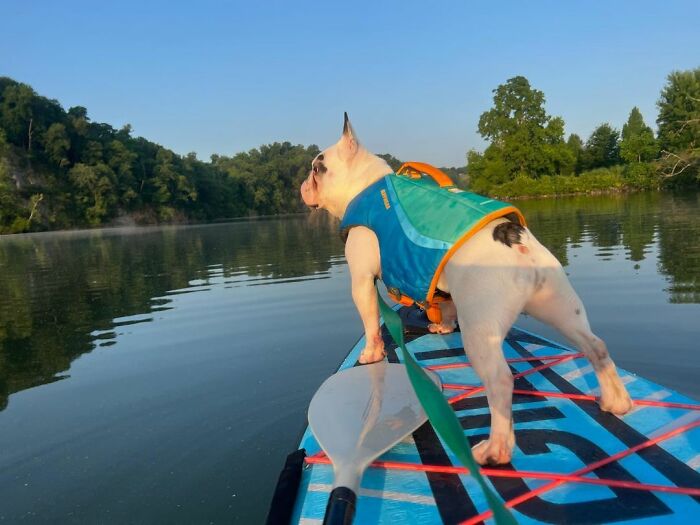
359, 413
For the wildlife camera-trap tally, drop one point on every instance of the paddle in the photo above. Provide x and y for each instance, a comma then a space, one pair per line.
356, 415
441, 415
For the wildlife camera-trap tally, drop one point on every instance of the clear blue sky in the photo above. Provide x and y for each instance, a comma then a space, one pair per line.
223, 77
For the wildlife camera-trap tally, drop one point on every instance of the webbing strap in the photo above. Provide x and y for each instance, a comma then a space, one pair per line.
441, 415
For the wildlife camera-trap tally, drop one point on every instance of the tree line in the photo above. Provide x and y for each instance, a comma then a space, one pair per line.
529, 155
59, 169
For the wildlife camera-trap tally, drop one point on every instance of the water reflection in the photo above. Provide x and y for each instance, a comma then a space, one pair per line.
639, 224
63, 294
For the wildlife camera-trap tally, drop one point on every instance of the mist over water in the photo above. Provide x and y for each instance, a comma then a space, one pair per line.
163, 374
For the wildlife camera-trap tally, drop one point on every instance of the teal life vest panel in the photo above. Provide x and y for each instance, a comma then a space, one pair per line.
419, 226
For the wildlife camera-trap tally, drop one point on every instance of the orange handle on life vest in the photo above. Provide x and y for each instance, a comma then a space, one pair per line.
416, 168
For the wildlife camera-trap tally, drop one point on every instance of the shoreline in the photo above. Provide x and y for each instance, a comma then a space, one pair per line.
117, 228
592, 193
143, 228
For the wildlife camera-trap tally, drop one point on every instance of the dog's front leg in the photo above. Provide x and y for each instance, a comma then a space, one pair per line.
362, 254
365, 296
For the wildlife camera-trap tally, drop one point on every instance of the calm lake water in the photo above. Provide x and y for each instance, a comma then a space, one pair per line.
161, 375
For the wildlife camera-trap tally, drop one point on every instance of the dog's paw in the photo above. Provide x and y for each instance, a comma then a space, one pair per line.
614, 397
441, 328
371, 355
618, 404
494, 451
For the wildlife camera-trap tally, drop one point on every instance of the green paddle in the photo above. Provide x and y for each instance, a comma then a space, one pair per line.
356, 415
441, 415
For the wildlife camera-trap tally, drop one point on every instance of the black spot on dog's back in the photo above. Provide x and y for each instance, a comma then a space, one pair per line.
508, 233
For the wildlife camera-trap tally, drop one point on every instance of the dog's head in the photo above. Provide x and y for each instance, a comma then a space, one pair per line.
340, 172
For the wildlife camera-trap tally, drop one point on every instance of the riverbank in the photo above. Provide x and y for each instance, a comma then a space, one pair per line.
629, 178
125, 225
616, 179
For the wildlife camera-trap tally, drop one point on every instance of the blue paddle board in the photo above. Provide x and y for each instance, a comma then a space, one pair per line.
572, 462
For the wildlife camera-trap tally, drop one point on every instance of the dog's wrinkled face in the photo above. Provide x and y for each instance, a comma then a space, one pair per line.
311, 186
330, 172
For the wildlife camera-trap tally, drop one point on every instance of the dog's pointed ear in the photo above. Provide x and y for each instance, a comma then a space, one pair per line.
348, 143
347, 127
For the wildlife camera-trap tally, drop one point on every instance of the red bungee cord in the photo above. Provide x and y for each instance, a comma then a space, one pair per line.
557, 479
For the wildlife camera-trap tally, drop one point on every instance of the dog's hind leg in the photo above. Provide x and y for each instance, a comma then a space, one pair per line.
486, 357
556, 303
486, 310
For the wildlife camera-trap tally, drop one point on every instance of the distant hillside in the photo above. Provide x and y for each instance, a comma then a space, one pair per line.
58, 169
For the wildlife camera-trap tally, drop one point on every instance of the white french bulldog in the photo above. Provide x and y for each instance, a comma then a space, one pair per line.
491, 281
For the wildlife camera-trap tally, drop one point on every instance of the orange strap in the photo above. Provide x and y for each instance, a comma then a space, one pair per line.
416, 168
432, 310
401, 299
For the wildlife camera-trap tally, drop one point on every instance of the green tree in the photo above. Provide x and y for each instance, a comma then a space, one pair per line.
4, 146
270, 176
16, 114
517, 107
575, 145
679, 124
80, 123
487, 169
94, 191
172, 188
524, 139
602, 148
57, 144
85, 173
121, 160
638, 143
558, 157
93, 152
9, 199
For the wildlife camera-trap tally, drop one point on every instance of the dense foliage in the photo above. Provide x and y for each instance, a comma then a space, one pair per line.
524, 139
679, 126
527, 154
58, 169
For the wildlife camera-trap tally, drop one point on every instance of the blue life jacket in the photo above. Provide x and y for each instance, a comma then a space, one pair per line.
419, 226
